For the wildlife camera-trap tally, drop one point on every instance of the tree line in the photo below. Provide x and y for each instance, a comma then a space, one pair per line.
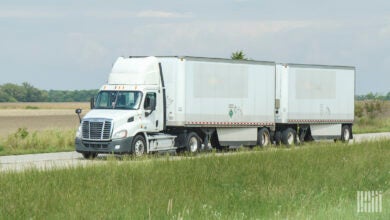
10, 92
373, 96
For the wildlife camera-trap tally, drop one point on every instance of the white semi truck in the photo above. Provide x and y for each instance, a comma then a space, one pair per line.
154, 104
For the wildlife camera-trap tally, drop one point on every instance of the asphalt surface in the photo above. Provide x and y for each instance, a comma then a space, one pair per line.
49, 161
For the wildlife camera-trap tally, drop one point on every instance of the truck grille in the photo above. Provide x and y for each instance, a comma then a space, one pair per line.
96, 145
96, 129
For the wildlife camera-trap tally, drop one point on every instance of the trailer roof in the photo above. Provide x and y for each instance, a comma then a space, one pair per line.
318, 66
226, 60
212, 59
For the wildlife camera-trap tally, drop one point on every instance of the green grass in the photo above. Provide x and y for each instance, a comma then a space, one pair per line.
25, 142
316, 181
372, 116
366, 125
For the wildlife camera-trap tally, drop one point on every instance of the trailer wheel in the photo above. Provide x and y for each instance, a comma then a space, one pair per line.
89, 155
138, 145
193, 142
263, 137
345, 133
289, 137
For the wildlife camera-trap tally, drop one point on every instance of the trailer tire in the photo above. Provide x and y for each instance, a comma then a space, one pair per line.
193, 142
263, 137
138, 146
345, 133
289, 137
89, 155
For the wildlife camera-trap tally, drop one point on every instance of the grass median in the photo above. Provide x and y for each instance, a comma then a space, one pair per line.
310, 182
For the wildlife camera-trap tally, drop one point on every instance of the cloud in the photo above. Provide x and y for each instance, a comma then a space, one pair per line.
123, 14
161, 14
30, 13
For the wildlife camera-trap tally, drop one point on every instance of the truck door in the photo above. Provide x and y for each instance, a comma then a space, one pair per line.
151, 119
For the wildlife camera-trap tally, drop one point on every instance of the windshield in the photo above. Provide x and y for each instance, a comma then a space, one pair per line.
118, 100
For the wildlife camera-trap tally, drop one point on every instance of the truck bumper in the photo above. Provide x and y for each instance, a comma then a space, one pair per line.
120, 146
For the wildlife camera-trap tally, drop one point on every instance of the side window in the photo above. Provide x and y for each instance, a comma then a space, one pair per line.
149, 96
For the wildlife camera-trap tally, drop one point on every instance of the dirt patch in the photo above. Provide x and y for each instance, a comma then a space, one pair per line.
45, 116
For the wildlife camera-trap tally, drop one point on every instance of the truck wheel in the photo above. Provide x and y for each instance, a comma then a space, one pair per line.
263, 137
139, 145
289, 137
345, 133
89, 155
193, 142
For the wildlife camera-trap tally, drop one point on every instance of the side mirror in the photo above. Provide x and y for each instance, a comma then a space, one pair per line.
92, 103
78, 112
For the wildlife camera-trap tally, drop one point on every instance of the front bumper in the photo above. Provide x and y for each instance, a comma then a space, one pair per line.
106, 147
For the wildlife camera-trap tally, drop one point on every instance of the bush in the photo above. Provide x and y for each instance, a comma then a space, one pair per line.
359, 110
373, 108
369, 108
21, 133
32, 107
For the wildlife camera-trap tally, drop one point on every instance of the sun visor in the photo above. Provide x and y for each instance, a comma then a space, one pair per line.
135, 71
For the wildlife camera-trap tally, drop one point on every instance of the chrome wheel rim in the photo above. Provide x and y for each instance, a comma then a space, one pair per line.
265, 140
290, 138
139, 148
346, 134
193, 144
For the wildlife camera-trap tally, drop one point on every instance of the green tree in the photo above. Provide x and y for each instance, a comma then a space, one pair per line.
238, 55
5, 97
33, 94
18, 93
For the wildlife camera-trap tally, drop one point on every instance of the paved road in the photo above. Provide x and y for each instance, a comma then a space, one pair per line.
42, 161
71, 159
370, 136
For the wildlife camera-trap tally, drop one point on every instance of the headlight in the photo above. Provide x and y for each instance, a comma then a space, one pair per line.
120, 134
79, 132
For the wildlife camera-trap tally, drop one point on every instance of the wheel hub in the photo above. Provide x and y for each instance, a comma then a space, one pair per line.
193, 144
139, 148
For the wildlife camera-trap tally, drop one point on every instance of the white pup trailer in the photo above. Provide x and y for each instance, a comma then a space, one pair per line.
154, 104
313, 102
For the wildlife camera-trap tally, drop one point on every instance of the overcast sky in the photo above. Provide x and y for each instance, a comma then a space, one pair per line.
72, 44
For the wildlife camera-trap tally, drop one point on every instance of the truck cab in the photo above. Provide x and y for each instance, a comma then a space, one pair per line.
128, 113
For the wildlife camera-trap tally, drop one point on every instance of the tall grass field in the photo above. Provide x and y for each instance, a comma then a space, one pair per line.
372, 116
318, 181
24, 141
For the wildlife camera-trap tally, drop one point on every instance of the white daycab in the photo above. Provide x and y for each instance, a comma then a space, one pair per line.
171, 103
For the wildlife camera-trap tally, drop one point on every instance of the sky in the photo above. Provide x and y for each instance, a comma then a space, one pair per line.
71, 45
